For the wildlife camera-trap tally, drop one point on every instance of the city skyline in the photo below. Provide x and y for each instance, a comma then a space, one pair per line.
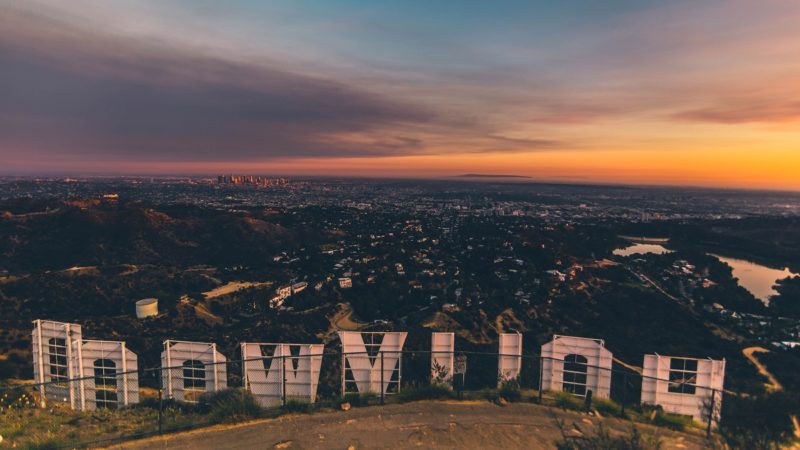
621, 92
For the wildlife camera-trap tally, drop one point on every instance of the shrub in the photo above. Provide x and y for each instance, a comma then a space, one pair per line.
358, 399
297, 406
44, 444
231, 405
565, 400
673, 421
607, 407
428, 392
601, 439
7, 369
759, 422
509, 390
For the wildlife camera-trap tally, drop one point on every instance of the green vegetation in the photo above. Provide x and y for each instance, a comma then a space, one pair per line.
673, 421
602, 439
510, 390
566, 400
759, 422
608, 407
787, 302
48, 443
298, 406
427, 392
359, 399
231, 405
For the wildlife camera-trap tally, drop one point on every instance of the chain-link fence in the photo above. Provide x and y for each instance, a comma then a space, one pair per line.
111, 404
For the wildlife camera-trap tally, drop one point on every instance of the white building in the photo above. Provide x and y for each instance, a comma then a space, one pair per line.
684, 386
190, 369
345, 282
274, 372
577, 365
372, 362
442, 357
104, 373
510, 360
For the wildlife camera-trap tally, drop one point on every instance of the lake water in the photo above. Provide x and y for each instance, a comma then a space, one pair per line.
642, 249
756, 278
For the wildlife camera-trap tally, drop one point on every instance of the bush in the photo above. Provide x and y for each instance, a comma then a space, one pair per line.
673, 421
358, 399
231, 405
45, 444
7, 369
297, 406
607, 407
428, 392
602, 440
172, 404
510, 390
759, 422
566, 400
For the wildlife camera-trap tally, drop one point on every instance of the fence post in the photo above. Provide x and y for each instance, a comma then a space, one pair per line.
344, 366
624, 390
711, 408
382, 389
541, 375
160, 407
283, 374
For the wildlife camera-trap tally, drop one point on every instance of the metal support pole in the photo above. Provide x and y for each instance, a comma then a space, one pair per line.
160, 408
283, 373
711, 408
624, 390
40, 355
541, 377
382, 388
343, 373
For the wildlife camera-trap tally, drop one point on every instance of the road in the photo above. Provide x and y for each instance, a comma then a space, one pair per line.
426, 424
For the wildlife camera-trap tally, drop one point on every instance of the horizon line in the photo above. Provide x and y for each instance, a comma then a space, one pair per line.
460, 178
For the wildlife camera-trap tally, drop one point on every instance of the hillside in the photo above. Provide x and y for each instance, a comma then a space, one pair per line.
425, 424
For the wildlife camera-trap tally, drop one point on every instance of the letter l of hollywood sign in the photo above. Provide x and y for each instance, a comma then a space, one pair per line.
270, 382
510, 351
442, 357
365, 365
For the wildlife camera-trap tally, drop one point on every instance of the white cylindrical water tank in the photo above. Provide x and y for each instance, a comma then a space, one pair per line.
147, 308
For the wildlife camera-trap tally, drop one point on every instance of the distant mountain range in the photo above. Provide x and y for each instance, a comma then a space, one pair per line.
488, 175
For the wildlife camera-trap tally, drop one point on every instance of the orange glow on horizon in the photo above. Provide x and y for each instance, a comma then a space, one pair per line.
712, 168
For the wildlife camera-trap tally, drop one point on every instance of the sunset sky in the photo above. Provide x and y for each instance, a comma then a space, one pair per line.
676, 92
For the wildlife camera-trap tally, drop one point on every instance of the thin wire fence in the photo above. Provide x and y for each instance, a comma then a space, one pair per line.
167, 399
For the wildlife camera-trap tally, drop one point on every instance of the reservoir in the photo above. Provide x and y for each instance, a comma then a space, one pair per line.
757, 279
642, 249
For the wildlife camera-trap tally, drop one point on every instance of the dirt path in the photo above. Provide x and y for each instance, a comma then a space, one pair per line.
427, 424
774, 385
343, 319
232, 287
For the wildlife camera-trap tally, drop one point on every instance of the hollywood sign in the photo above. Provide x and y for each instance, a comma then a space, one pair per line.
91, 374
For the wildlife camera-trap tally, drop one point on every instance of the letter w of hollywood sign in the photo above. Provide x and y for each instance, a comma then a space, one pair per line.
364, 359
273, 371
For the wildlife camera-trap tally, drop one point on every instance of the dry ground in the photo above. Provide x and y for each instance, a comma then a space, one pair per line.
426, 424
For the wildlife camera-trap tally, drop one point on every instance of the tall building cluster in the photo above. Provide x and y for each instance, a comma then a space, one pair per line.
251, 180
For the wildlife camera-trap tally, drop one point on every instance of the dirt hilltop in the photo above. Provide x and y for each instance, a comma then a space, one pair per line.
424, 424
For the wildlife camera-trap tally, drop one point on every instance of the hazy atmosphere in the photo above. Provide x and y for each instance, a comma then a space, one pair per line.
643, 92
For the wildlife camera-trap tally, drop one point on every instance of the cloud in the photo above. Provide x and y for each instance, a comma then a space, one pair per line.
68, 90
745, 111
